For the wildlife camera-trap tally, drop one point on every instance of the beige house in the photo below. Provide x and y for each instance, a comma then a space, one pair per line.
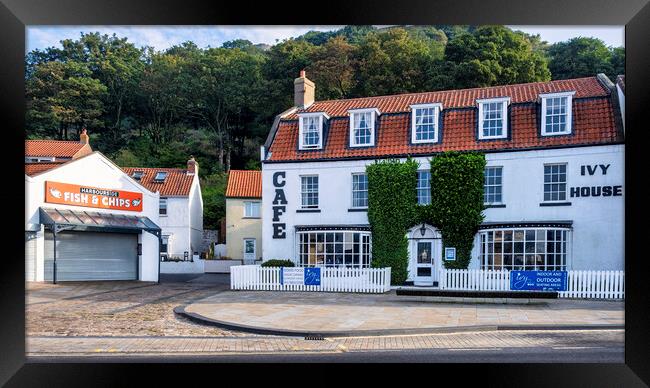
244, 215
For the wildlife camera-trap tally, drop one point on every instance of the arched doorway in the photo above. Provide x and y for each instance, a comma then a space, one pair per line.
425, 254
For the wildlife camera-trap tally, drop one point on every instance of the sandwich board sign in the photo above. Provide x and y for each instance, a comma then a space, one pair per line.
538, 280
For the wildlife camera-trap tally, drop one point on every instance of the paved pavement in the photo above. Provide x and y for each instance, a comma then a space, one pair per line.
135, 320
304, 312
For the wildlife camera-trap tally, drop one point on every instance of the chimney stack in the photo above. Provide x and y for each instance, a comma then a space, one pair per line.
83, 137
304, 91
192, 166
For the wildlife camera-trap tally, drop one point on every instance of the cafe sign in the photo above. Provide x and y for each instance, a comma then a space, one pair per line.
86, 196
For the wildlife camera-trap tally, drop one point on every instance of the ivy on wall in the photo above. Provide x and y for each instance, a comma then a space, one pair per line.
457, 201
392, 203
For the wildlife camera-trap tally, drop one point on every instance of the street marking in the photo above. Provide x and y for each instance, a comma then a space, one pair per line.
472, 349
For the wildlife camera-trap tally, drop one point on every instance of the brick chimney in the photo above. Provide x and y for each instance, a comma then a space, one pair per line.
192, 166
83, 137
304, 91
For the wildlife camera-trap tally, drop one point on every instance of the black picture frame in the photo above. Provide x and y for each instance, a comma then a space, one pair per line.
15, 15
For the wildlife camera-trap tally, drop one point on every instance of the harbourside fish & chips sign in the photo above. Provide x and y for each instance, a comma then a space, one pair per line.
76, 195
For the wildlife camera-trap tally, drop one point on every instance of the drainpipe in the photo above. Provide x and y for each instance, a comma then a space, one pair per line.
54, 260
159, 234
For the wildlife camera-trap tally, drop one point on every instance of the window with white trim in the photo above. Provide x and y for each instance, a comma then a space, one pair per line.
362, 127
556, 113
359, 190
309, 191
555, 182
424, 123
493, 118
517, 249
424, 187
252, 209
493, 185
310, 127
334, 249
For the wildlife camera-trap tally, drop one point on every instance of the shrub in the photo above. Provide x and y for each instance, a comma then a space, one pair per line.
278, 263
392, 201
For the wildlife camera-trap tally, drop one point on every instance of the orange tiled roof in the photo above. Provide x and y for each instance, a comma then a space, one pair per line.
56, 148
593, 122
244, 184
32, 169
177, 183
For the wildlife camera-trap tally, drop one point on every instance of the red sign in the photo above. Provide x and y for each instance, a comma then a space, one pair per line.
76, 195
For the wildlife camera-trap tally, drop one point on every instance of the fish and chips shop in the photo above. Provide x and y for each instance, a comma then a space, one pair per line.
85, 219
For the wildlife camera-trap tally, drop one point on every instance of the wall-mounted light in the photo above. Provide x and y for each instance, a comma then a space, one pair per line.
423, 229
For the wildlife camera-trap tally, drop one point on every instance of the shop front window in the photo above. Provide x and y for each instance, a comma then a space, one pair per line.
524, 249
334, 249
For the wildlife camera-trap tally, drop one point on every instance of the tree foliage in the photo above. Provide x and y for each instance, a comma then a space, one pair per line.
585, 57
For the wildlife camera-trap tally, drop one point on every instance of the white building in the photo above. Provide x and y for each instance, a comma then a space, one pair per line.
85, 219
553, 184
180, 209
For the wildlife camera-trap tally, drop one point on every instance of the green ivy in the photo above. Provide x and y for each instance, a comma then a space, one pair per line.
457, 201
392, 200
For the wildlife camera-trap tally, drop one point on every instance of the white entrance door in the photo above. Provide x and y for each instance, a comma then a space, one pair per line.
424, 262
249, 250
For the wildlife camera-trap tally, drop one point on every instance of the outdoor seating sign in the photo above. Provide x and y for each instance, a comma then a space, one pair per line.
300, 276
538, 280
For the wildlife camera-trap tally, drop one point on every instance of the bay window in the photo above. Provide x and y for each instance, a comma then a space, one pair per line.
534, 249
334, 249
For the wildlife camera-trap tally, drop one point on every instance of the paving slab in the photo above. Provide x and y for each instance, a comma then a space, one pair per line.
300, 313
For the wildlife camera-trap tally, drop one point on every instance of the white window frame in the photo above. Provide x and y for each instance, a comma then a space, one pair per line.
569, 112
436, 116
302, 206
566, 182
357, 174
246, 206
502, 192
321, 121
373, 119
418, 188
303, 239
504, 115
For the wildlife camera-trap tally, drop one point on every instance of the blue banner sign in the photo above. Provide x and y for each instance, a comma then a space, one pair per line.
300, 276
538, 280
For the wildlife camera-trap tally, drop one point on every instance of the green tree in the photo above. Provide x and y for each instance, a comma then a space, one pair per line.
585, 57
213, 190
62, 96
333, 68
494, 55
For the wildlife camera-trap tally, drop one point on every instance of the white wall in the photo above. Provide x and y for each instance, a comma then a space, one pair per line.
598, 223
175, 224
96, 171
196, 216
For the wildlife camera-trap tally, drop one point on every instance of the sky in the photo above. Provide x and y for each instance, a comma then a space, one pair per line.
162, 37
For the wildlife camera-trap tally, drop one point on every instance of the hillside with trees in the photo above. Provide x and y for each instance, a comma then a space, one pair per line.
152, 108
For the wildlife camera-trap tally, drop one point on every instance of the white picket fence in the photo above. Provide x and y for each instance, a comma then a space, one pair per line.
580, 284
366, 280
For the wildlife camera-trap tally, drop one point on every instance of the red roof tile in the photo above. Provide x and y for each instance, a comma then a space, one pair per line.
244, 184
32, 169
177, 183
56, 148
593, 118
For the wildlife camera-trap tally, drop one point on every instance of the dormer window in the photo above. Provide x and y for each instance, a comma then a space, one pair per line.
137, 175
362, 127
556, 113
493, 118
311, 130
160, 176
424, 123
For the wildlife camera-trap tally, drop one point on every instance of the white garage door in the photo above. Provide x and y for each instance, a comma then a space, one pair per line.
92, 256
30, 256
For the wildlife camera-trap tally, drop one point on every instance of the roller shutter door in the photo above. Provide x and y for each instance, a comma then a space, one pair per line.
92, 256
30, 256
